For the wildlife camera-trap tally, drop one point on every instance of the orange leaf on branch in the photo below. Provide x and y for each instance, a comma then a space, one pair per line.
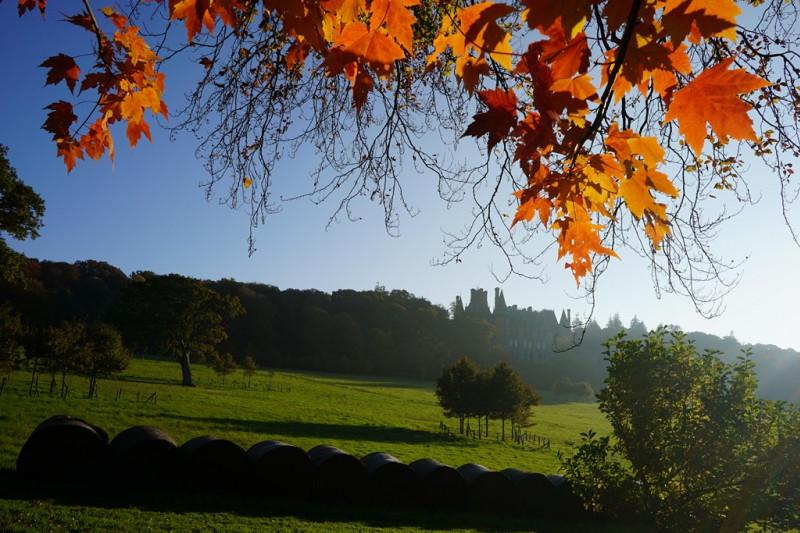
713, 98
475, 36
579, 238
397, 17
699, 19
498, 119
530, 205
62, 68
198, 13
23, 6
571, 15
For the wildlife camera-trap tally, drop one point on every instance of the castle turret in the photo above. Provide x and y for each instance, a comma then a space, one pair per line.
499, 301
478, 304
458, 308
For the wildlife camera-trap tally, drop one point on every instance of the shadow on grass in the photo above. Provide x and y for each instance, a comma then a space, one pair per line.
150, 380
248, 505
321, 431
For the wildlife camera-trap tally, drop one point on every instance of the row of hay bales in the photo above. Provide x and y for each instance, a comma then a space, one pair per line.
67, 449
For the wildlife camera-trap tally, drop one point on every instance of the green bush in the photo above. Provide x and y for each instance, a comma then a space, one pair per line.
694, 448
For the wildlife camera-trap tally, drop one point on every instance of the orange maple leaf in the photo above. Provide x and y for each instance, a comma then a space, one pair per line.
98, 139
649, 61
713, 98
23, 6
498, 119
530, 205
477, 32
579, 237
581, 87
700, 18
59, 119
571, 15
566, 57
198, 13
359, 42
70, 151
62, 67
135, 130
399, 20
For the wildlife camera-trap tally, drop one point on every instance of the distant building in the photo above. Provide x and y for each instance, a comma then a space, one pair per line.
524, 333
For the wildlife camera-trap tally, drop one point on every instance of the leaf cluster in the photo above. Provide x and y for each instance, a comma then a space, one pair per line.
576, 155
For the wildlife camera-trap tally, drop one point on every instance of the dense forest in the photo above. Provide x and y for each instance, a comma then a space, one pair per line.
378, 332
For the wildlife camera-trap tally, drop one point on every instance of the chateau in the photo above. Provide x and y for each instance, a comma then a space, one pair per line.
524, 333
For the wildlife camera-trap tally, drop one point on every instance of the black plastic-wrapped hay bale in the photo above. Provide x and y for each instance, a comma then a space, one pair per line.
209, 463
280, 469
440, 486
390, 480
487, 490
64, 448
536, 496
566, 503
142, 455
337, 474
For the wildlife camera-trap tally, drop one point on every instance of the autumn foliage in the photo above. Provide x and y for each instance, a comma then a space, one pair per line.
551, 106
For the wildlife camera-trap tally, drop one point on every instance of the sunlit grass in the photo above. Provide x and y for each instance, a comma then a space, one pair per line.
358, 414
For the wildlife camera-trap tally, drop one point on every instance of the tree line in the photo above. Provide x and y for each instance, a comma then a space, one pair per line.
464, 390
378, 331
365, 332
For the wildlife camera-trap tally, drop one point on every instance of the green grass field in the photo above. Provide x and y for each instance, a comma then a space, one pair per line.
359, 415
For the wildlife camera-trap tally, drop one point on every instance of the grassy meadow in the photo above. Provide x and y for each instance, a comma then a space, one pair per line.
357, 414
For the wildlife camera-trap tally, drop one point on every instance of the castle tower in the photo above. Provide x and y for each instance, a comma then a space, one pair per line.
499, 301
478, 304
458, 310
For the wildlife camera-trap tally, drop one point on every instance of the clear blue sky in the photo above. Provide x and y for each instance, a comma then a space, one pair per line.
146, 211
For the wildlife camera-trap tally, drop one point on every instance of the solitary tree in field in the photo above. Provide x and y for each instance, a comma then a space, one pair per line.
222, 364
604, 123
455, 388
59, 351
510, 398
175, 316
11, 331
101, 354
249, 369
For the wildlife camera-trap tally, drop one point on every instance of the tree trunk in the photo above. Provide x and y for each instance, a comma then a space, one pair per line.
186, 370
461, 425
92, 386
503, 425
